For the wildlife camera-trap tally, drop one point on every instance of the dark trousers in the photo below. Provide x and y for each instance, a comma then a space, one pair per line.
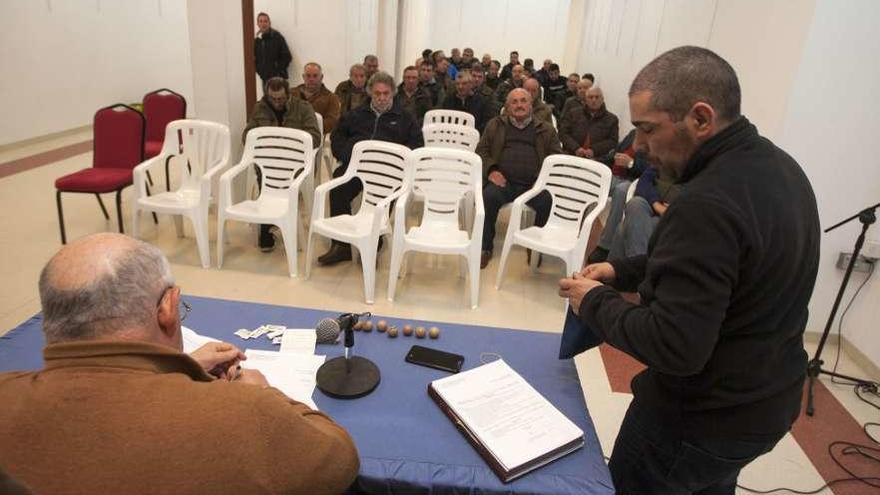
264, 228
651, 456
495, 197
342, 196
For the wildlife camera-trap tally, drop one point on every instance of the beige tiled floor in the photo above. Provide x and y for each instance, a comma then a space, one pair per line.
432, 290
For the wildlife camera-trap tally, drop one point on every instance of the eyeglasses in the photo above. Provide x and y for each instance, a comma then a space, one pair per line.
185, 308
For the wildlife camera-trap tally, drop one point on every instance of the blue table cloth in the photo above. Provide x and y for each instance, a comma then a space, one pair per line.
406, 444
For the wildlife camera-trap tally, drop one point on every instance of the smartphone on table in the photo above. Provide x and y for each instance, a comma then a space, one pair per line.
435, 358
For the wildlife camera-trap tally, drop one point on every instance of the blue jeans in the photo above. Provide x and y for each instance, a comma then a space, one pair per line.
619, 188
635, 231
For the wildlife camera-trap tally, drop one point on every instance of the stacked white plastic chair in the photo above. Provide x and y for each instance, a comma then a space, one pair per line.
443, 177
200, 151
576, 184
380, 166
286, 161
449, 117
308, 187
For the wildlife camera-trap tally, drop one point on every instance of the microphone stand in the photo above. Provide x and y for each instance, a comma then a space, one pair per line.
814, 366
348, 376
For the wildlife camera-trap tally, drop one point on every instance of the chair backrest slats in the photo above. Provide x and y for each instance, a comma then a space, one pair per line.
281, 154
443, 176
451, 136
381, 167
449, 117
197, 146
577, 186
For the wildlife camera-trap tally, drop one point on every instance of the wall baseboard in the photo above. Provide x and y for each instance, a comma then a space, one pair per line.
854, 354
43, 138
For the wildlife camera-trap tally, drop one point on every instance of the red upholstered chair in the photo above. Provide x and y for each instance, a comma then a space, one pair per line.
161, 107
118, 146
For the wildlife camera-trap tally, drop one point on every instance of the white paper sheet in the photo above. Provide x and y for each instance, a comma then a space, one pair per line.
192, 340
291, 373
299, 340
514, 421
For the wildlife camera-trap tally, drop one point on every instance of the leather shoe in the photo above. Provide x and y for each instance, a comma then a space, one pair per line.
338, 252
485, 256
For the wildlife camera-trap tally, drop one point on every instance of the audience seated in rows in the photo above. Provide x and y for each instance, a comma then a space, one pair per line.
379, 118
556, 90
371, 66
493, 79
517, 78
654, 192
512, 148
483, 89
507, 71
579, 97
429, 82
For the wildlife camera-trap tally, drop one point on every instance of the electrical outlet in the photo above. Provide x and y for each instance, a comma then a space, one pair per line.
862, 264
871, 249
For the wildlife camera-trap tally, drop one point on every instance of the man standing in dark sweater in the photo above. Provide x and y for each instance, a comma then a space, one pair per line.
724, 287
513, 148
271, 54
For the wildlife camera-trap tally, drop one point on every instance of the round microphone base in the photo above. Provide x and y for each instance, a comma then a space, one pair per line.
348, 378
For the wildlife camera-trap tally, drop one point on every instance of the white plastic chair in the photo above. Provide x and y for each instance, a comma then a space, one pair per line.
200, 149
443, 177
286, 161
575, 184
632, 190
453, 136
308, 187
380, 166
449, 117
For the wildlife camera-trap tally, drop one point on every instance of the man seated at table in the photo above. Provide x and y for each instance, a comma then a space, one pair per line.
513, 148
119, 409
277, 108
381, 119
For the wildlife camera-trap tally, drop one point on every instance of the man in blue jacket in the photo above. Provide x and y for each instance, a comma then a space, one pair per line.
724, 287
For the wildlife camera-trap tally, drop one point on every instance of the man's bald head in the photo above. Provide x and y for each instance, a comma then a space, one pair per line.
102, 285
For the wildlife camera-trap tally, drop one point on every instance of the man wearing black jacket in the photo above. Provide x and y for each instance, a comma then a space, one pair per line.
724, 287
271, 54
379, 118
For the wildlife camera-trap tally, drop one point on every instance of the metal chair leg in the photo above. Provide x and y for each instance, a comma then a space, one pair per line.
103, 208
119, 210
60, 217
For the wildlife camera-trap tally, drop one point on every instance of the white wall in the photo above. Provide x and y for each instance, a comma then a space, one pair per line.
334, 33
830, 128
61, 60
762, 40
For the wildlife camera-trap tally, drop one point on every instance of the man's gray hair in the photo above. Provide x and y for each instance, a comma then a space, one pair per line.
355, 67
124, 296
381, 77
686, 75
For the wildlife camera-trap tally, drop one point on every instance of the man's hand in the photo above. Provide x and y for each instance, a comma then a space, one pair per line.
588, 153
660, 207
219, 359
497, 178
622, 160
252, 377
581, 152
602, 272
575, 288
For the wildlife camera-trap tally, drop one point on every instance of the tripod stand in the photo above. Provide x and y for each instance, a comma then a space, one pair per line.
814, 367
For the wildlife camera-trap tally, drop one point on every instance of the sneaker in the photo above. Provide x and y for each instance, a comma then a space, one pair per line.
485, 256
598, 255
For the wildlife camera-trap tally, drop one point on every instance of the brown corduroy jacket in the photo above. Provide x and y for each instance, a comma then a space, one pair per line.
324, 102
493, 139
140, 418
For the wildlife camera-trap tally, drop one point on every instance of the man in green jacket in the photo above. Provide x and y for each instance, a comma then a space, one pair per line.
513, 147
278, 109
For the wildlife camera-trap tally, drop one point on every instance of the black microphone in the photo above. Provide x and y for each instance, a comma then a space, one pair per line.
328, 329
346, 377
